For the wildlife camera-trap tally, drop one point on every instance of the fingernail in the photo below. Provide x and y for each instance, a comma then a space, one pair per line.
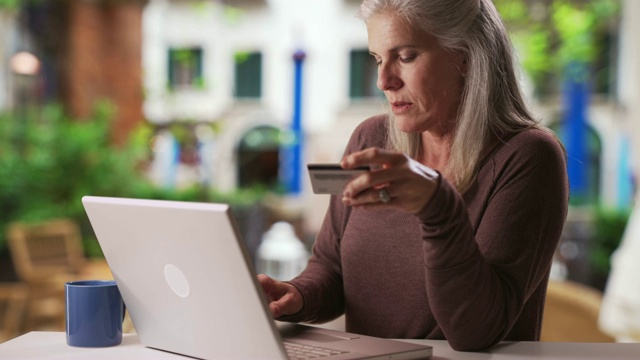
346, 194
346, 201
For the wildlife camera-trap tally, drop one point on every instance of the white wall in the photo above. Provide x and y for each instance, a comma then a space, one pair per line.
324, 29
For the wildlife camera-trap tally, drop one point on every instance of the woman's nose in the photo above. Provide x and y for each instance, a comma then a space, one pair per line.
387, 78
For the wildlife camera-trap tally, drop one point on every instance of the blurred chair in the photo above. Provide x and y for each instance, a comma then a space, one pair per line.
13, 298
571, 313
46, 255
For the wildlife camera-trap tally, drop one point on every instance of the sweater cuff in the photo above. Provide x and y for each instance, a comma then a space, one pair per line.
438, 201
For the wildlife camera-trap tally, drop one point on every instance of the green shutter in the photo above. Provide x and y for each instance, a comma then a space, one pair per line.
248, 75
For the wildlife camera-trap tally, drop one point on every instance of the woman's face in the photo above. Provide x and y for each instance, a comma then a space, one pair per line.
421, 80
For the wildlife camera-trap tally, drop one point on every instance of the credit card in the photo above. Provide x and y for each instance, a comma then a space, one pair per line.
331, 178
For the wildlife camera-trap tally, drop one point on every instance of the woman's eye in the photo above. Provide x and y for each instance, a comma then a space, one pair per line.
407, 59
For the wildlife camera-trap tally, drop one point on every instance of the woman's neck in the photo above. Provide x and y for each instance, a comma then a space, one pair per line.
435, 150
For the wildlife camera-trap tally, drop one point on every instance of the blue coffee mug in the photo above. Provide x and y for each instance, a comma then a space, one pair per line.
95, 312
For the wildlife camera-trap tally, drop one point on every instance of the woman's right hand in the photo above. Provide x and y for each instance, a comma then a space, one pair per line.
407, 184
284, 298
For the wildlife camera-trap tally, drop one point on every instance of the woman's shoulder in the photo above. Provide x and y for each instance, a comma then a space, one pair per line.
533, 142
373, 126
532, 156
370, 132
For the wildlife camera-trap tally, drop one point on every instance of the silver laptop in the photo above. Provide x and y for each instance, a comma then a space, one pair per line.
190, 286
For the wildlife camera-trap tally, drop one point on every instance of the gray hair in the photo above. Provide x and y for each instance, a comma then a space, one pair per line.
491, 103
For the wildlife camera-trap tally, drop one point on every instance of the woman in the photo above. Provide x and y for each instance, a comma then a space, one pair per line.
451, 235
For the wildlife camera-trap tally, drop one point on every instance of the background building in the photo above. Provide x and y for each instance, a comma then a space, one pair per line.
230, 64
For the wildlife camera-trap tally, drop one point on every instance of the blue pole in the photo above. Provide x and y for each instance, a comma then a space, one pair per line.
576, 100
293, 151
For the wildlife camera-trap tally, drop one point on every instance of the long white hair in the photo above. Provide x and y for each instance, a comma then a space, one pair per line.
491, 102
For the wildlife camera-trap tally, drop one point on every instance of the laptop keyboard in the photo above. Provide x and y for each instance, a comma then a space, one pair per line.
299, 352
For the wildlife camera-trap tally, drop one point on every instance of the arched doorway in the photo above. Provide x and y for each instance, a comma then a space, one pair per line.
259, 157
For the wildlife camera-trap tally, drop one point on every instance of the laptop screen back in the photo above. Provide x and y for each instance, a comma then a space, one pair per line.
185, 277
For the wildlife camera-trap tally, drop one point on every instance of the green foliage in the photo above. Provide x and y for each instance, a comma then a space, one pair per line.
232, 15
9, 4
609, 225
512, 11
49, 161
241, 57
557, 35
575, 27
16, 4
184, 56
535, 59
200, 83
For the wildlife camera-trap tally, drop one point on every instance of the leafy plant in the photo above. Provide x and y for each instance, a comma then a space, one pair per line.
12, 5
9, 4
550, 38
48, 161
609, 227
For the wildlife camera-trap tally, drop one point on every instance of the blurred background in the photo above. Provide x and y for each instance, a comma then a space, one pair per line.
227, 100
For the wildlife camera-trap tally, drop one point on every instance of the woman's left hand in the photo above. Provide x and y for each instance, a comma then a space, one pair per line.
400, 182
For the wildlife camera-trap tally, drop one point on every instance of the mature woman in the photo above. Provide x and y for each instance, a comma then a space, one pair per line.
451, 235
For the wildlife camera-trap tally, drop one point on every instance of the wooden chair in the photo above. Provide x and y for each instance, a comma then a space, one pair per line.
13, 298
45, 256
571, 313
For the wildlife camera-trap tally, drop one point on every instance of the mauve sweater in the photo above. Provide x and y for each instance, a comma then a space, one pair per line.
472, 268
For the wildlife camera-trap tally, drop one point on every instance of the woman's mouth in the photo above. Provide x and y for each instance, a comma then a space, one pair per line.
399, 107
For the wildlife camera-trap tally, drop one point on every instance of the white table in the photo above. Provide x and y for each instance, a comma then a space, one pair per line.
52, 345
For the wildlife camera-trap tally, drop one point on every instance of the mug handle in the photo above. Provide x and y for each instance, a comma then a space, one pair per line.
124, 311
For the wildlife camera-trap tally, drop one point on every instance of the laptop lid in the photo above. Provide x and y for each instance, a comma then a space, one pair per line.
190, 286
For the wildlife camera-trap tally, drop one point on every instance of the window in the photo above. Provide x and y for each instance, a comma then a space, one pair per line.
185, 68
364, 74
259, 157
248, 75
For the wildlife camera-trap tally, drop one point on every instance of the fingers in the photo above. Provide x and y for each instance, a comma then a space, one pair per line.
276, 310
266, 282
283, 298
272, 288
402, 183
283, 306
376, 178
360, 193
274, 293
368, 185
372, 155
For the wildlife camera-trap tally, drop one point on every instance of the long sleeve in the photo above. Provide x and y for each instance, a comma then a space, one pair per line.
479, 281
321, 283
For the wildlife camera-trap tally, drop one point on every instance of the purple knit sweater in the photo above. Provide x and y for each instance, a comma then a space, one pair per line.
470, 268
